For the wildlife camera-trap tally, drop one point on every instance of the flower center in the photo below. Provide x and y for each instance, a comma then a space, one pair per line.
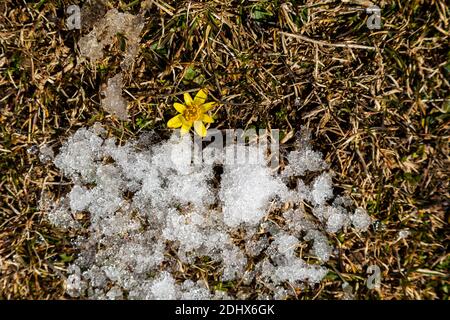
191, 113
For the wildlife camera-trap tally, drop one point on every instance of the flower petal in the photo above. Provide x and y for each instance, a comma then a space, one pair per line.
179, 107
200, 128
188, 99
206, 118
175, 122
208, 106
186, 127
200, 97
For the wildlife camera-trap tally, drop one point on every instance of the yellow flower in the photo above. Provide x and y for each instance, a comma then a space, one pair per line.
192, 112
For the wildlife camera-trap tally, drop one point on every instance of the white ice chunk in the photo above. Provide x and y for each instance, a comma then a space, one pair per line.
322, 189
246, 190
361, 220
164, 287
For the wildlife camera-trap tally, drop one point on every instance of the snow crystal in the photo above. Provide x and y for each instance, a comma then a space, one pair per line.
297, 221
179, 229
155, 213
403, 234
73, 285
280, 293
77, 155
322, 189
246, 191
298, 270
46, 154
361, 220
348, 291
303, 161
79, 198
105, 30
254, 247
234, 263
164, 287
58, 213
103, 33
194, 291
285, 244
115, 293
321, 249
335, 218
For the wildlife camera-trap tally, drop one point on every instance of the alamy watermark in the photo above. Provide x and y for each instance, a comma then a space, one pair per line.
73, 20
230, 147
374, 278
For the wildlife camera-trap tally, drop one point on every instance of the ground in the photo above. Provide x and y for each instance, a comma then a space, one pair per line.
378, 109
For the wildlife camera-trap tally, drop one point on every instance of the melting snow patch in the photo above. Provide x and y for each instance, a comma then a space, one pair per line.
153, 215
113, 102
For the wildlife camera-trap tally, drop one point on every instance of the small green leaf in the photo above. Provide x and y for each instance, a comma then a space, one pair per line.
190, 74
65, 258
260, 14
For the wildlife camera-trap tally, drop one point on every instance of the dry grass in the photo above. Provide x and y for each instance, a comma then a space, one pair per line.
380, 113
